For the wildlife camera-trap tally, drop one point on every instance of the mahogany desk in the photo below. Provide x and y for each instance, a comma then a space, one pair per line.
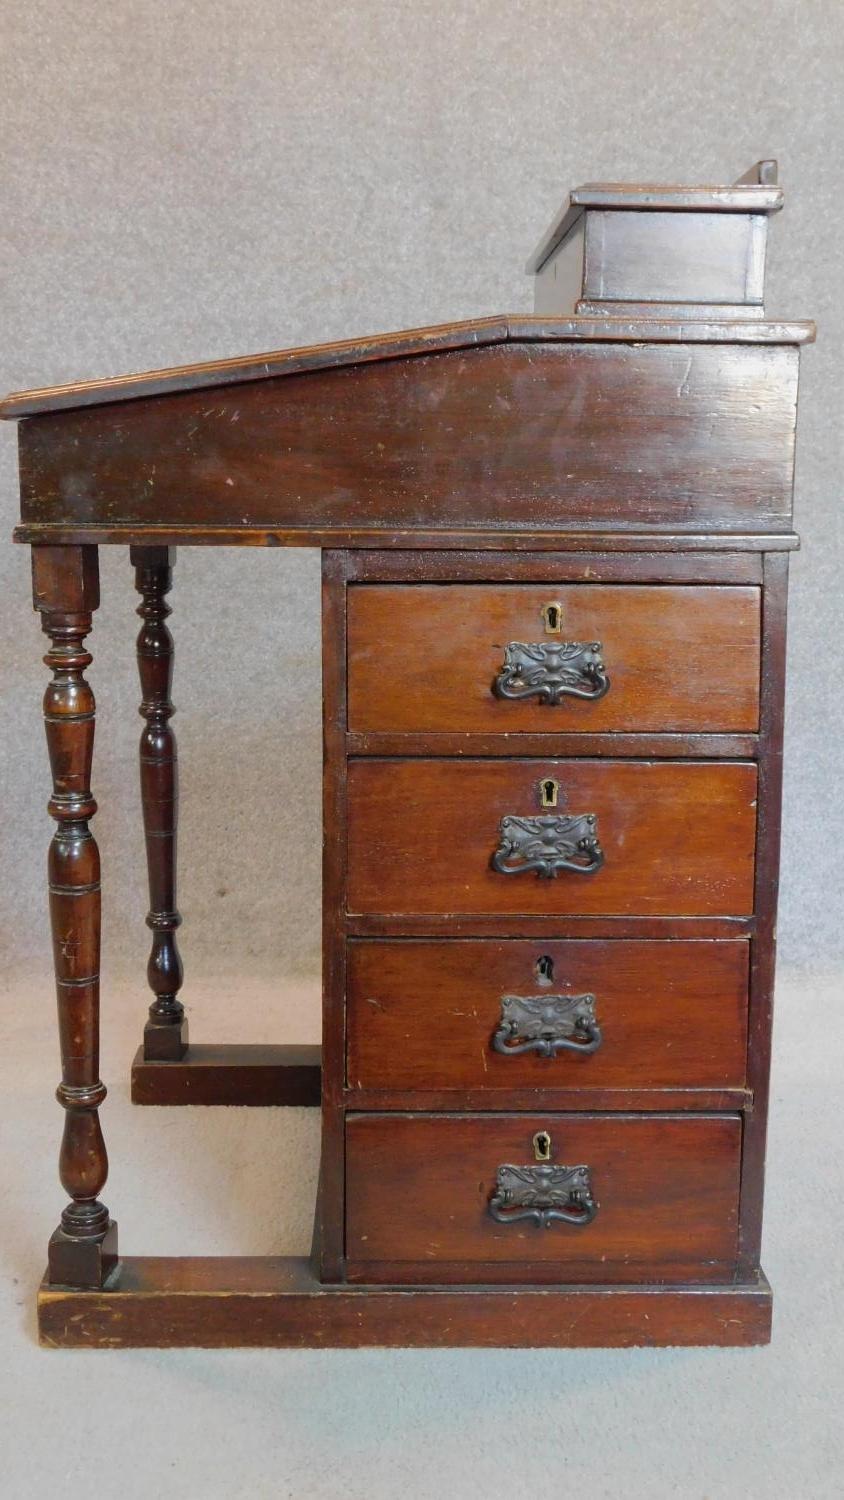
554, 560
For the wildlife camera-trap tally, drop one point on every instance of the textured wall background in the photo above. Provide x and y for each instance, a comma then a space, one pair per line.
190, 181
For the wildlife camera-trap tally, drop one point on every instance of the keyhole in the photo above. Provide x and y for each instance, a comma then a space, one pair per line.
552, 614
542, 1145
549, 791
544, 969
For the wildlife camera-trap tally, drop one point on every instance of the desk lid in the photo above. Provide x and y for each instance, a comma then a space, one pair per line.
473, 333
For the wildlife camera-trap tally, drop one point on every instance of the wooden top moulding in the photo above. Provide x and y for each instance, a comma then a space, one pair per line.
472, 333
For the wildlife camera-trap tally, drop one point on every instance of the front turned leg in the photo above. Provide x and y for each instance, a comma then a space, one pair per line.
166, 1031
83, 1250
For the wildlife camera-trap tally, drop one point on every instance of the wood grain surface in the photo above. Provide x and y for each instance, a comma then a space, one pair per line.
423, 658
522, 435
422, 1014
418, 1188
678, 836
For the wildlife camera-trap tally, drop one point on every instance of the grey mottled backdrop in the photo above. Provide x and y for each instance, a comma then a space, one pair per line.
184, 181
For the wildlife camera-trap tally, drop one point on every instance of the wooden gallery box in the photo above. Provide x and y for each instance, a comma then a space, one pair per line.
555, 553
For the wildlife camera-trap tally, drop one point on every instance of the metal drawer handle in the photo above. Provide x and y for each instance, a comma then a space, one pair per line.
547, 845
546, 1195
547, 1024
552, 671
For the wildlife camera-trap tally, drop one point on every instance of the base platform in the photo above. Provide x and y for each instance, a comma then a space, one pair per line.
228, 1073
275, 1302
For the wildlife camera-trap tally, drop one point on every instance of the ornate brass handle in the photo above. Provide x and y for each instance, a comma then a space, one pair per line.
548, 845
545, 1194
547, 1024
552, 671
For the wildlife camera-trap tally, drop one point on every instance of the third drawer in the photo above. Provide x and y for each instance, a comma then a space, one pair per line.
495, 1014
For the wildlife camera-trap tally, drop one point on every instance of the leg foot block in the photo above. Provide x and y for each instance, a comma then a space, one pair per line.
73, 1262
165, 1043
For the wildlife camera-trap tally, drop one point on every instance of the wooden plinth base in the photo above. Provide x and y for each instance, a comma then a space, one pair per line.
276, 1303
230, 1074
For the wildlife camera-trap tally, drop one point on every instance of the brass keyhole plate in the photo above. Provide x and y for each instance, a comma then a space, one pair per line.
552, 617
542, 1145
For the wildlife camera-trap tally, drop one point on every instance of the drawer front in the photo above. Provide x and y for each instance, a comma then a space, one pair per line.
501, 1014
676, 838
426, 658
658, 1199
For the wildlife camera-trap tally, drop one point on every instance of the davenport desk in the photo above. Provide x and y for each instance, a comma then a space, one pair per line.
555, 557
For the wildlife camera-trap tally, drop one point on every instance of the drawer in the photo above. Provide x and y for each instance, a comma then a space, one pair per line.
421, 1191
433, 658
504, 1014
677, 837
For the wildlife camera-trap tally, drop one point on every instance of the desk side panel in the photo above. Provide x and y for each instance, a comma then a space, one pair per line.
512, 437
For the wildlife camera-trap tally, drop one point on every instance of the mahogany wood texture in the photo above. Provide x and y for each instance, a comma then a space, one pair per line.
651, 564
534, 435
423, 1014
423, 658
166, 1031
230, 1073
418, 1189
470, 333
267, 1301
83, 1250
548, 540
678, 836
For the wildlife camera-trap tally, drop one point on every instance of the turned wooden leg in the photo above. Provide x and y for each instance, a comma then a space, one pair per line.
166, 1031
83, 1250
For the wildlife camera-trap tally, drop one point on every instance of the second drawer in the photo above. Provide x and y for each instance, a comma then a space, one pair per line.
441, 1015
677, 838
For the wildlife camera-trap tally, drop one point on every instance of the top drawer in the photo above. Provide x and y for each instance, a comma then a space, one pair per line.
444, 658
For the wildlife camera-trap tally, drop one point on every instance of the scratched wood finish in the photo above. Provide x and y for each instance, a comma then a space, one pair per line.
648, 565
275, 1302
423, 1014
408, 342
258, 1074
515, 436
425, 658
418, 1189
678, 837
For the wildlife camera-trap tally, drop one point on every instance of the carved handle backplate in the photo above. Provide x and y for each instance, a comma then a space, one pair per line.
548, 845
545, 1194
547, 1024
551, 671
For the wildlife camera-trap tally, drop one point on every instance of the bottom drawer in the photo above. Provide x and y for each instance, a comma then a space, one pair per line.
430, 1198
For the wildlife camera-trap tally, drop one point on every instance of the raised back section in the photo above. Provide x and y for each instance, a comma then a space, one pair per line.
685, 252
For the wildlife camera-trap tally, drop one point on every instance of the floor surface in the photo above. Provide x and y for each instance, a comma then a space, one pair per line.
700, 1424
